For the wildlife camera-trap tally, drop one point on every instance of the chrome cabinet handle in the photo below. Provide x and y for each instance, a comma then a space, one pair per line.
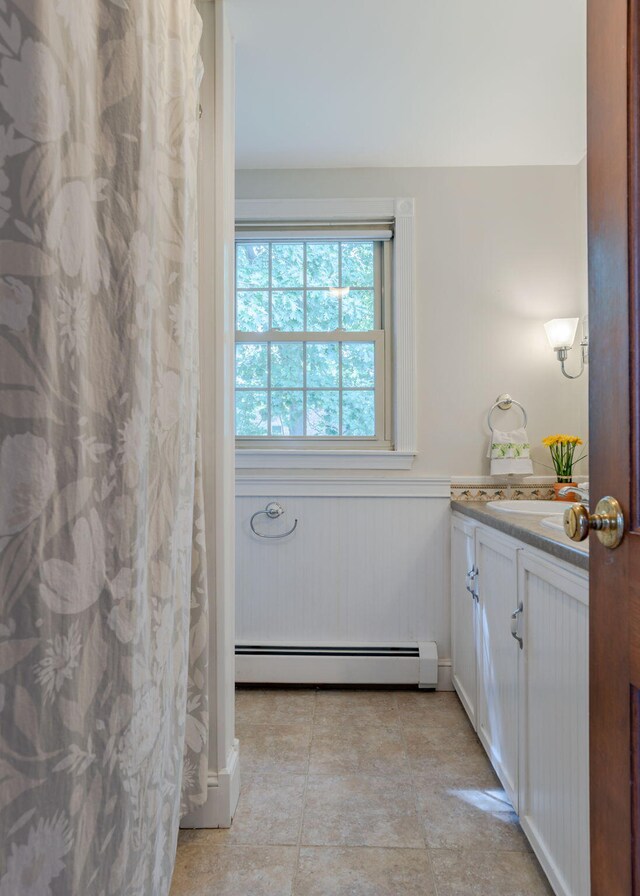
471, 579
273, 510
514, 624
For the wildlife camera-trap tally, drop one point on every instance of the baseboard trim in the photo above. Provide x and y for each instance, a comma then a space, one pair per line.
549, 867
223, 791
445, 682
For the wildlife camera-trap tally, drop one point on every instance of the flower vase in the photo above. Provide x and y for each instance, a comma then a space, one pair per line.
572, 497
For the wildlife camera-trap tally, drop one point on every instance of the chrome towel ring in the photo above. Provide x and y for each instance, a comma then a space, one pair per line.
504, 402
273, 510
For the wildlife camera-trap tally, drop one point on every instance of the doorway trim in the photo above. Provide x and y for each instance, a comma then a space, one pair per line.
216, 219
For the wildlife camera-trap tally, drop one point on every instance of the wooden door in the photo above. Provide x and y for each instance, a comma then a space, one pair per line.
613, 153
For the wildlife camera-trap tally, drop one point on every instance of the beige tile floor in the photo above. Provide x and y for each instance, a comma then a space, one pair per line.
360, 793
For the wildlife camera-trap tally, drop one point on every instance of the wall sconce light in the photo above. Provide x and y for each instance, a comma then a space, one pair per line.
561, 333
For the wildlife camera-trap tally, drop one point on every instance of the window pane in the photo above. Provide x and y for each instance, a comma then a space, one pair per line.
252, 312
323, 413
287, 310
358, 310
357, 264
251, 413
286, 364
323, 310
358, 413
322, 264
287, 264
307, 290
358, 364
251, 364
287, 413
252, 265
323, 364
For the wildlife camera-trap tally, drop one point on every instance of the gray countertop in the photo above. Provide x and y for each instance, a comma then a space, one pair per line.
526, 527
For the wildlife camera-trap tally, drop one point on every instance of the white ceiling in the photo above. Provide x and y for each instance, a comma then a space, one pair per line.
365, 83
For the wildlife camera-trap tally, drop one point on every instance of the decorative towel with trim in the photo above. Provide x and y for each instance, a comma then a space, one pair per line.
509, 452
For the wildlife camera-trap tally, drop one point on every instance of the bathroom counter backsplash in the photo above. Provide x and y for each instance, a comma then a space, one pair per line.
533, 490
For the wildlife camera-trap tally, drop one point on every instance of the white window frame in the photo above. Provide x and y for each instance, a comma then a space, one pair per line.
377, 335
403, 351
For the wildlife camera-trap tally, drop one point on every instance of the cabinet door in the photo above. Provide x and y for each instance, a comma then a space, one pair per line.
463, 615
554, 721
496, 559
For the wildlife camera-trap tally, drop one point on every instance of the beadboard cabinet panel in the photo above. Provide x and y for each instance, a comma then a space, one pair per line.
554, 721
497, 587
464, 616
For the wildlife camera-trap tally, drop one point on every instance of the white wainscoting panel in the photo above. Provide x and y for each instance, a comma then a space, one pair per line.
253, 484
357, 569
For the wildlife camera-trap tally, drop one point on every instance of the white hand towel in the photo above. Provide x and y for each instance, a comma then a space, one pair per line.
509, 452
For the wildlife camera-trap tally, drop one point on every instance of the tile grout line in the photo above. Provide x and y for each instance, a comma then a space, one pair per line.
406, 718
415, 798
304, 794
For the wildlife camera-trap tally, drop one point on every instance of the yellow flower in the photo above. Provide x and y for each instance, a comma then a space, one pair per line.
561, 439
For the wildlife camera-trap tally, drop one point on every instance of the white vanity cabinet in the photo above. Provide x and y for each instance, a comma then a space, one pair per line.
554, 719
464, 615
531, 685
498, 654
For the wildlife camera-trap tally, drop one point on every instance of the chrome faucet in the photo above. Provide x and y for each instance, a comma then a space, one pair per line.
580, 490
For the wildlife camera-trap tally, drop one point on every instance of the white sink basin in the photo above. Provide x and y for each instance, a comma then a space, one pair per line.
540, 508
554, 522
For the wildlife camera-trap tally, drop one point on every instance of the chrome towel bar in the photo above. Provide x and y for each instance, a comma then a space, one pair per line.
273, 510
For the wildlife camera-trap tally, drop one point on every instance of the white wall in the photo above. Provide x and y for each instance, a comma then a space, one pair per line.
499, 252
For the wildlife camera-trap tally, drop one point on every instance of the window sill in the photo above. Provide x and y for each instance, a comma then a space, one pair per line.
308, 459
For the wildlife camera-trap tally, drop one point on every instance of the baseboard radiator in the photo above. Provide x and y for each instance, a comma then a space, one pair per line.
348, 664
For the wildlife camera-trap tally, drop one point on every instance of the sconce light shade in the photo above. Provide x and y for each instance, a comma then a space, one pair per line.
561, 332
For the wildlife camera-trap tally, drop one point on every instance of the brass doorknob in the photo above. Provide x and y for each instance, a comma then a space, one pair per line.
607, 522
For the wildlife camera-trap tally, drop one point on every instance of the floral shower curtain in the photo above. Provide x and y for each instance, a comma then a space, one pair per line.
103, 627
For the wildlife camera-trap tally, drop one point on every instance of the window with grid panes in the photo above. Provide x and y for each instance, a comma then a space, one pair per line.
311, 332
